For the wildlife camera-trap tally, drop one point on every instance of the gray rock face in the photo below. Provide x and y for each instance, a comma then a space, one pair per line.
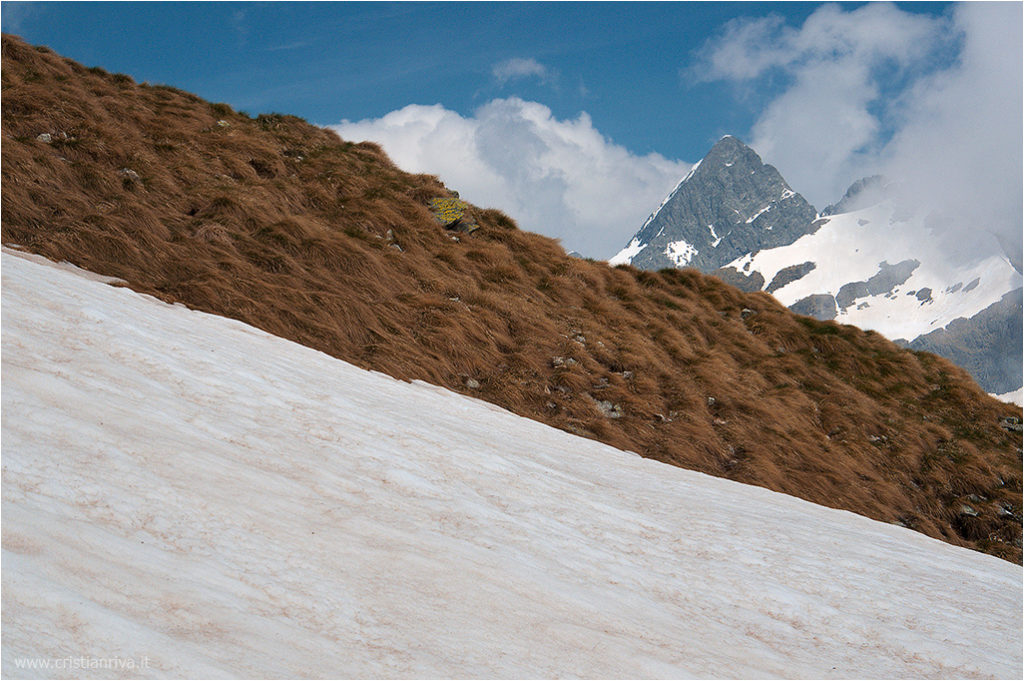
988, 344
730, 204
883, 282
890, 276
788, 275
820, 306
733, 277
850, 292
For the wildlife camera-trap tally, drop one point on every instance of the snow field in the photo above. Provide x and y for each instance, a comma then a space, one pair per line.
849, 248
222, 502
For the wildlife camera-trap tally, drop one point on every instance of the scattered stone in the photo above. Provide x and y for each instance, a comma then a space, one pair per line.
627, 375
562, 362
130, 174
223, 124
712, 401
968, 511
1011, 423
45, 138
747, 313
397, 248
472, 384
602, 383
609, 410
551, 405
975, 499
1006, 511
580, 338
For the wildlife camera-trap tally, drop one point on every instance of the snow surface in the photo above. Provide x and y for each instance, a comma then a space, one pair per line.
185, 489
680, 252
626, 255
849, 247
760, 213
715, 238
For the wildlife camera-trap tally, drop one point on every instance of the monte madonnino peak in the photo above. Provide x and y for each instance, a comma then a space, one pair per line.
730, 204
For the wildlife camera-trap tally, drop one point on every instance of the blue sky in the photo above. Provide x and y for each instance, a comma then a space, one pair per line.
622, 63
627, 93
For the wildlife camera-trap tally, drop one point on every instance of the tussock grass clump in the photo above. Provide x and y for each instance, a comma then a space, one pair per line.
284, 226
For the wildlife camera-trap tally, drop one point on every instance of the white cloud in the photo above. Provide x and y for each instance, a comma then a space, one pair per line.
868, 91
959, 144
519, 68
561, 178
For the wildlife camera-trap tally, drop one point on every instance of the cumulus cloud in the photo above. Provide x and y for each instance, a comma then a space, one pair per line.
930, 102
519, 68
557, 177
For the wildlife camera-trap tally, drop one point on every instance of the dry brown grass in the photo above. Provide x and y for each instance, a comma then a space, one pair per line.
286, 227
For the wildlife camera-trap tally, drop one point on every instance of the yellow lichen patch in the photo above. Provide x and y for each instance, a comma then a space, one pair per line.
448, 209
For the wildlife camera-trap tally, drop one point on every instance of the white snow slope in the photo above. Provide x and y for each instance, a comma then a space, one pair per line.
204, 499
850, 246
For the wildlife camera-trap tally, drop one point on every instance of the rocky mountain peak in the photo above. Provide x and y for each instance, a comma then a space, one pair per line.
729, 204
729, 150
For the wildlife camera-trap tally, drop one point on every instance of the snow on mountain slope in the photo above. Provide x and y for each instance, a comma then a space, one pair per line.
851, 247
209, 500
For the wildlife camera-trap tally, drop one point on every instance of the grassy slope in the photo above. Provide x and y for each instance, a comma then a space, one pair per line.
282, 225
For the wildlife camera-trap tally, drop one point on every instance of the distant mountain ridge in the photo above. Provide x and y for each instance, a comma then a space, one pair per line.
865, 260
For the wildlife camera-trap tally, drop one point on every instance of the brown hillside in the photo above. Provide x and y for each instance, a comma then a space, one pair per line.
284, 226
